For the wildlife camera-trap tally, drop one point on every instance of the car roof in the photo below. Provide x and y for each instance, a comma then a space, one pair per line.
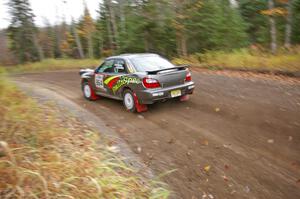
133, 55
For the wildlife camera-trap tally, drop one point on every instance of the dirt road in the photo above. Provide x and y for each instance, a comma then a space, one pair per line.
235, 138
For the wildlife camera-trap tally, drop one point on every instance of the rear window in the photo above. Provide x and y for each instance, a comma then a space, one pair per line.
150, 63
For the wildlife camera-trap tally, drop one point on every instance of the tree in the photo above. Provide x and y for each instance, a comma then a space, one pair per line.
77, 39
257, 23
87, 29
22, 32
288, 28
295, 36
215, 25
46, 38
273, 31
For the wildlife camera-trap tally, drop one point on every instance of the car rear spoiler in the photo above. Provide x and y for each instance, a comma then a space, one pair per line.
181, 67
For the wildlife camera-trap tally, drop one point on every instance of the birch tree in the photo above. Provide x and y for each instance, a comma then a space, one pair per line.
288, 27
273, 31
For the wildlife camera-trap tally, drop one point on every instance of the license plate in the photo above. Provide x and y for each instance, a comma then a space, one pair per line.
176, 93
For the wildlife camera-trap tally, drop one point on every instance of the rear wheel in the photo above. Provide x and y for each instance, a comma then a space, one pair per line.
128, 101
88, 91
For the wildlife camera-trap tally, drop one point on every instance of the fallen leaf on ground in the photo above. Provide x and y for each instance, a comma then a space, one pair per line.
207, 168
226, 145
270, 141
141, 117
139, 149
114, 149
247, 189
171, 141
225, 178
155, 142
205, 142
217, 109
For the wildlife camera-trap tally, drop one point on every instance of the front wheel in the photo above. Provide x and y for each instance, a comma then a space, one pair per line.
128, 101
88, 91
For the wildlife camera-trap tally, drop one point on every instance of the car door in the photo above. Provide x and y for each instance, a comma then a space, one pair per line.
113, 77
101, 74
108, 76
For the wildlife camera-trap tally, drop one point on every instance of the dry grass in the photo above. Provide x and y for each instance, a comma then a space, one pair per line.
245, 59
46, 156
54, 64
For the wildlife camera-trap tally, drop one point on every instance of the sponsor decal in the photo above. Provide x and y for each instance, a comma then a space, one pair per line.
111, 81
116, 82
124, 81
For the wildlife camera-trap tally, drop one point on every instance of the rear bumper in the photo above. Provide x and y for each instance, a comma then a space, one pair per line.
150, 96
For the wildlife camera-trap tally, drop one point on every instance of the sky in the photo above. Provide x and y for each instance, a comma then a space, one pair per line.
53, 10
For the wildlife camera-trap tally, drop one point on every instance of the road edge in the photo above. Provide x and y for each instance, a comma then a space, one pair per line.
47, 95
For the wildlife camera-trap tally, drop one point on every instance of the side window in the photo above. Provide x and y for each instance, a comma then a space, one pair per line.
119, 66
106, 67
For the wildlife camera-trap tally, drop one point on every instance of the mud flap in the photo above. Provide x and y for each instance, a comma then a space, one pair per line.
93, 94
184, 98
139, 107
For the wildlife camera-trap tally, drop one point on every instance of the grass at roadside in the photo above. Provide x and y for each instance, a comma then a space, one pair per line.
43, 155
245, 60
54, 64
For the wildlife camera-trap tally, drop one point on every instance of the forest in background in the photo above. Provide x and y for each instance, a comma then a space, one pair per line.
172, 28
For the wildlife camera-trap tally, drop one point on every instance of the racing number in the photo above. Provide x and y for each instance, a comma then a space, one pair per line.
99, 81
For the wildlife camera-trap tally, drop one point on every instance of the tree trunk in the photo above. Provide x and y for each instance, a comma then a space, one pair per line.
122, 16
178, 44
183, 45
90, 46
78, 42
109, 32
273, 31
38, 48
113, 22
288, 27
234, 3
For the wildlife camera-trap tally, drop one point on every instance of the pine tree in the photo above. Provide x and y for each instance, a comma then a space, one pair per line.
216, 25
295, 37
22, 32
257, 23
87, 29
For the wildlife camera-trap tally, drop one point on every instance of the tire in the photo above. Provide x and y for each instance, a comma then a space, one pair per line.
88, 92
129, 101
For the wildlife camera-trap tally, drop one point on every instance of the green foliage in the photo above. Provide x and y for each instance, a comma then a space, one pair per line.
22, 31
296, 22
216, 26
257, 24
170, 28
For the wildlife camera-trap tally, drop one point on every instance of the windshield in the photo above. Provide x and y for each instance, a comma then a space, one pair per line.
150, 63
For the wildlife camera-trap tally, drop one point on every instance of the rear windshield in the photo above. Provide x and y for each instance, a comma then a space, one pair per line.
150, 63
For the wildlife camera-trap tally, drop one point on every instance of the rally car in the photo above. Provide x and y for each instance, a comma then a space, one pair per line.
137, 80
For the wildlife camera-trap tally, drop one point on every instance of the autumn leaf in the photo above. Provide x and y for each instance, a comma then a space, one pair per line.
207, 168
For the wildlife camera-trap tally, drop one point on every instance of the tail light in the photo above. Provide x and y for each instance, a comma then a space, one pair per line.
188, 76
150, 83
